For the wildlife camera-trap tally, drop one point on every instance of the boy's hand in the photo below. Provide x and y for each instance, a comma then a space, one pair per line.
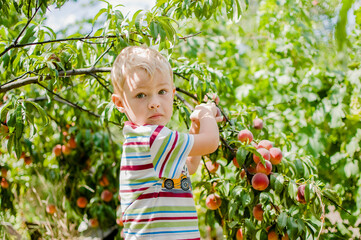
204, 110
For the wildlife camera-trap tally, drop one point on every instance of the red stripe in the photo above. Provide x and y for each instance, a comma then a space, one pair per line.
137, 167
159, 218
155, 134
167, 157
190, 239
165, 194
136, 143
134, 190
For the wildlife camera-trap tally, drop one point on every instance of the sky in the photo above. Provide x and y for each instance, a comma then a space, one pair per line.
74, 11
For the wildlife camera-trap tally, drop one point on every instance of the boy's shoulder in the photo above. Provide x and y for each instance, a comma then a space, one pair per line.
133, 129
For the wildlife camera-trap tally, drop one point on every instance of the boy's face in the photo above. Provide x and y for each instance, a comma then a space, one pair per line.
146, 101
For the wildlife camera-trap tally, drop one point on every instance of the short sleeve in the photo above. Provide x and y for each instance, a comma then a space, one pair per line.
169, 151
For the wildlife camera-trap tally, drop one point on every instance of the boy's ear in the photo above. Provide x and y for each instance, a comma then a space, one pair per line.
118, 102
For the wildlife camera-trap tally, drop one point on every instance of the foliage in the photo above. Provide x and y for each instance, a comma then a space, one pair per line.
285, 62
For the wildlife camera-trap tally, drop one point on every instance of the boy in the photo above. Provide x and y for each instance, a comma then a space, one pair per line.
156, 199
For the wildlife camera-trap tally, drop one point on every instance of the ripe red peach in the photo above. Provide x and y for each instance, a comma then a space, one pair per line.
107, 195
258, 212
260, 181
212, 167
265, 144
235, 163
264, 153
301, 194
258, 123
245, 136
72, 143
57, 150
272, 235
51, 209
213, 201
93, 222
260, 168
275, 155
66, 149
239, 235
285, 237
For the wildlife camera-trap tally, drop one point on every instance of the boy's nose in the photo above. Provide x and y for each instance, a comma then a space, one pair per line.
153, 105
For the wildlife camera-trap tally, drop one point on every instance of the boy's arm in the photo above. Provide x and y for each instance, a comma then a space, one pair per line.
207, 139
193, 161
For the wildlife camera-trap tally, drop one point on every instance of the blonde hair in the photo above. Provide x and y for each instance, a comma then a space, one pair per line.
134, 57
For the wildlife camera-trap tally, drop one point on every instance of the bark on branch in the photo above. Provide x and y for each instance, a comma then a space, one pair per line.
22, 82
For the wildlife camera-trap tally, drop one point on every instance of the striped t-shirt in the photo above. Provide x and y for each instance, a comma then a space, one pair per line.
155, 191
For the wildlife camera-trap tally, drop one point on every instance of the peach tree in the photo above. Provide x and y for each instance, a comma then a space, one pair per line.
61, 135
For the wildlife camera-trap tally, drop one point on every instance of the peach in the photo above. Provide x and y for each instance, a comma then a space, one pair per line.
285, 237
72, 143
243, 173
258, 123
28, 160
275, 155
260, 168
82, 202
57, 150
66, 149
265, 144
260, 181
104, 181
235, 163
239, 235
245, 136
4, 183
258, 212
213, 201
212, 167
51, 209
93, 222
264, 153
301, 194
107, 195
4, 172
272, 235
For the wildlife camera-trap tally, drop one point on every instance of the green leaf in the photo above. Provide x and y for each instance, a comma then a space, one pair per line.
279, 184
41, 111
331, 194
292, 189
309, 192
241, 156
282, 220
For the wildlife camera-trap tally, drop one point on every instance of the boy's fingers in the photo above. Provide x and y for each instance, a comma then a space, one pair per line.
219, 119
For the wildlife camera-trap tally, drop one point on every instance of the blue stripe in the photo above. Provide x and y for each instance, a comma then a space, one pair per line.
129, 157
137, 137
184, 231
164, 150
149, 213
181, 156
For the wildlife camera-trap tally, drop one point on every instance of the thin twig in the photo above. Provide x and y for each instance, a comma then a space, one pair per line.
322, 215
101, 56
97, 78
69, 102
12, 85
189, 36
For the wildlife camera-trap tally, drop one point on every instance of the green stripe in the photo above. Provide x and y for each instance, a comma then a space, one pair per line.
160, 150
139, 180
164, 225
136, 148
161, 208
174, 155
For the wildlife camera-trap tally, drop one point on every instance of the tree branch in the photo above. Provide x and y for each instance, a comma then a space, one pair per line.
16, 84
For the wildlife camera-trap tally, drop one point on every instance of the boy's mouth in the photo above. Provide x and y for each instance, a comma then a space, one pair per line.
158, 115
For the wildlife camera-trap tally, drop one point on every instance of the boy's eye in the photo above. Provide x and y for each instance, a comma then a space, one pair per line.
162, 92
140, 95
